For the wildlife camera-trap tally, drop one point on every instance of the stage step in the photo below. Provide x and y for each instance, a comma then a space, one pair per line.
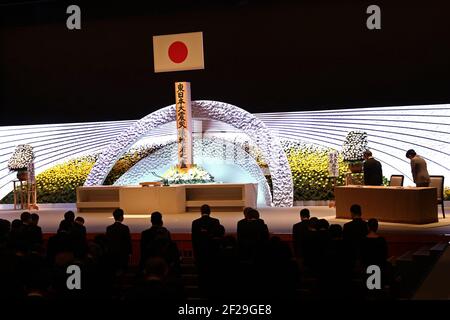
439, 248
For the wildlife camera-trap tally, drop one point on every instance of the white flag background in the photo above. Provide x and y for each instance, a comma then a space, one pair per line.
177, 52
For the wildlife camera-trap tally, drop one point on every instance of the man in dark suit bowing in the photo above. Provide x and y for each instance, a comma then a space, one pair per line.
373, 174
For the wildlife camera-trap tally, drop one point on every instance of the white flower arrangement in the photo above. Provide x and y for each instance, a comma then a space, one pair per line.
22, 157
354, 146
192, 175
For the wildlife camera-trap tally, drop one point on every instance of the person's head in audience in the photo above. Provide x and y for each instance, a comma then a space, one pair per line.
253, 214
323, 224
246, 212
335, 231
34, 219
25, 217
156, 219
355, 211
372, 225
205, 210
304, 214
118, 215
156, 268
5, 227
16, 224
69, 216
313, 224
410, 154
367, 154
79, 220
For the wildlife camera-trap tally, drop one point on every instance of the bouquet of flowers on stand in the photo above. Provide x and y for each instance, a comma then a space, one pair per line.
20, 161
353, 150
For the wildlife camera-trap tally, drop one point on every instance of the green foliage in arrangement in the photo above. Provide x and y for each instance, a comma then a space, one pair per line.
309, 167
447, 193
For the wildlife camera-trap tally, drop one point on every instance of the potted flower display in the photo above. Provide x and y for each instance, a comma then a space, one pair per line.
353, 150
22, 157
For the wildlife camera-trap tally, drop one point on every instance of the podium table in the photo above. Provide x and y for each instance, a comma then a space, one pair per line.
391, 204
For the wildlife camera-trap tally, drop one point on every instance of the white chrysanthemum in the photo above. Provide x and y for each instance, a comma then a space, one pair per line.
354, 146
21, 158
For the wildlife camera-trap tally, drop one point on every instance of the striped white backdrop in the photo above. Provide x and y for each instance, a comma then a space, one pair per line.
391, 131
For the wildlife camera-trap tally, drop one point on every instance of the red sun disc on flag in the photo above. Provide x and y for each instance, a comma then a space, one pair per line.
178, 52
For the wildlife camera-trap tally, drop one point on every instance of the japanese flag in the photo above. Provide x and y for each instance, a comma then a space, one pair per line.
177, 52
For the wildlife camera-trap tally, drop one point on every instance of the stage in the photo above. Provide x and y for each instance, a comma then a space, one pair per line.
279, 220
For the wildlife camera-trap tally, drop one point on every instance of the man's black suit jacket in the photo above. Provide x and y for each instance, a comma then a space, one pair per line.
119, 239
204, 230
373, 175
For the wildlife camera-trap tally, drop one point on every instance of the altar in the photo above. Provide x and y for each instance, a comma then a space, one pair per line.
178, 198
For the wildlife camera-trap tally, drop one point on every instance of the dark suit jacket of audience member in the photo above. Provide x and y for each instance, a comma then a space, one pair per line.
5, 227
119, 240
204, 231
373, 174
65, 224
33, 235
299, 233
78, 231
354, 233
252, 235
374, 251
155, 241
78, 234
60, 242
